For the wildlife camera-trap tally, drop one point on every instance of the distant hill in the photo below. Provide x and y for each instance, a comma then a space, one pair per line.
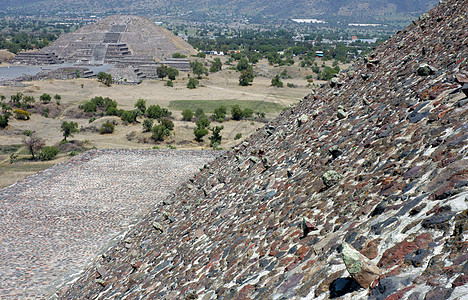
358, 9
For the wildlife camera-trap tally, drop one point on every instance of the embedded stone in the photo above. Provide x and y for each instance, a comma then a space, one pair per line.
307, 226
330, 178
303, 119
341, 114
426, 70
359, 266
158, 227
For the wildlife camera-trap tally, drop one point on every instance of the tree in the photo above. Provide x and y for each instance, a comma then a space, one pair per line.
192, 83
166, 123
4, 120
246, 77
129, 116
216, 136
276, 81
45, 98
216, 65
141, 105
201, 54
156, 112
243, 65
33, 144
105, 78
236, 112
162, 71
69, 128
187, 115
198, 69
178, 55
16, 99
199, 113
48, 153
28, 101
147, 125
219, 114
57, 98
160, 132
199, 133
172, 73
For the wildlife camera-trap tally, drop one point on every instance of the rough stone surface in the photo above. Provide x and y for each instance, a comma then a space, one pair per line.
359, 266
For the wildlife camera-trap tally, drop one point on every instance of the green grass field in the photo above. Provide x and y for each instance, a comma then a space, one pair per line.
209, 106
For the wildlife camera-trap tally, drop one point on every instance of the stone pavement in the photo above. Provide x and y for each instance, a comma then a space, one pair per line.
53, 223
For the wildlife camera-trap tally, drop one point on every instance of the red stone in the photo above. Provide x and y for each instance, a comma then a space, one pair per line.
461, 280
396, 254
423, 240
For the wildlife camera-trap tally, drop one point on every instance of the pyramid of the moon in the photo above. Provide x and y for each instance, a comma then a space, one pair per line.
117, 37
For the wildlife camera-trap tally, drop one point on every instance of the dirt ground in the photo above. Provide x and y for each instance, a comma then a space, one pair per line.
217, 86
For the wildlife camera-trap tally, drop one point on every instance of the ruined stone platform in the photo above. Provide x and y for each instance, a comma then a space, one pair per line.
53, 223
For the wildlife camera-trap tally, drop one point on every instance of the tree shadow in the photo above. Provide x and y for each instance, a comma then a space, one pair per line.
343, 286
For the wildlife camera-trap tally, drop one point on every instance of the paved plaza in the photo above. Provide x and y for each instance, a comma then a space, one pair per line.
53, 223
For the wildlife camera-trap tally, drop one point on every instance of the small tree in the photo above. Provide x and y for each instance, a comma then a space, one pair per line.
57, 98
45, 98
48, 153
33, 144
141, 105
246, 77
187, 115
192, 83
216, 65
199, 113
276, 81
28, 101
68, 129
4, 120
201, 54
216, 136
105, 78
16, 99
166, 123
162, 71
198, 69
147, 125
129, 116
199, 133
172, 73
243, 65
236, 112
219, 113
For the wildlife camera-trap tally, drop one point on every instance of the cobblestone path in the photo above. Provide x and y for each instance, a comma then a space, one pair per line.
53, 223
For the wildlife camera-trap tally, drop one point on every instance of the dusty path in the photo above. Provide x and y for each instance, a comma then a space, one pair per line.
53, 223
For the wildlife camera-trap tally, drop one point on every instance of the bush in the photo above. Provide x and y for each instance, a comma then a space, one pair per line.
219, 113
68, 129
203, 122
156, 112
172, 73
105, 78
246, 77
21, 114
4, 120
141, 105
107, 128
167, 123
276, 81
199, 113
215, 139
201, 54
192, 83
187, 115
129, 116
89, 107
199, 133
291, 85
236, 112
160, 132
45, 98
147, 125
170, 83
48, 153
216, 65
178, 55
238, 136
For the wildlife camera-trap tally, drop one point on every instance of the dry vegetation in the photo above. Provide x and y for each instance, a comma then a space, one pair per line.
217, 86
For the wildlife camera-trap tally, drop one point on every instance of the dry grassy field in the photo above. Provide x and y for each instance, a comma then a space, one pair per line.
220, 86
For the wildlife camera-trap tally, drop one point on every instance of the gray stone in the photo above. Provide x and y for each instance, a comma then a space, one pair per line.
330, 178
302, 119
359, 266
426, 70
158, 227
465, 89
335, 151
341, 114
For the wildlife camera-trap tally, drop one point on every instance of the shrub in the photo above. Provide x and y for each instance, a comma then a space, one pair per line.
216, 65
199, 133
219, 113
89, 107
201, 54
160, 132
276, 81
199, 113
33, 144
236, 112
48, 153
246, 77
141, 105
170, 83
21, 114
178, 55
156, 112
27, 132
73, 153
4, 120
192, 83
187, 115
216, 136
238, 136
291, 85
107, 128
27, 101
129, 116
105, 78
45, 98
172, 73
147, 125
167, 123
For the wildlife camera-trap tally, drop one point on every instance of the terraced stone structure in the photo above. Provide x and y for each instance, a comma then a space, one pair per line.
260, 223
117, 38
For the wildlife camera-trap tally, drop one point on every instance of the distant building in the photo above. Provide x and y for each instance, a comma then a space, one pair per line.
318, 53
